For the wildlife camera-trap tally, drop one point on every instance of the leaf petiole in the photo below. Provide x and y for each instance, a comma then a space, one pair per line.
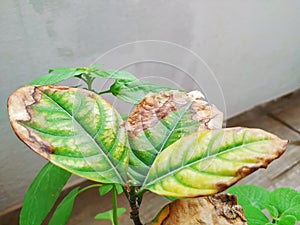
115, 205
89, 187
104, 92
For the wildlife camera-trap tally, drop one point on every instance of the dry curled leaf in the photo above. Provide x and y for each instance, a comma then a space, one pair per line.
156, 106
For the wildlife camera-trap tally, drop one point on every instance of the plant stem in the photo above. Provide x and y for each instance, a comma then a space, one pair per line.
134, 214
104, 92
115, 205
90, 186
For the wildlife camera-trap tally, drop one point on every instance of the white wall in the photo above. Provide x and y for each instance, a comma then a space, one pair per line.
252, 47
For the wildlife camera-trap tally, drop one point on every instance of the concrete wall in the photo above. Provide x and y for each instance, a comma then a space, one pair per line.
252, 47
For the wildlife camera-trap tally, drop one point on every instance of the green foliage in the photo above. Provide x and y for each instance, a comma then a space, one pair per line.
105, 188
254, 215
116, 212
64, 209
42, 194
108, 215
56, 75
80, 132
283, 204
252, 195
114, 74
284, 199
134, 91
126, 87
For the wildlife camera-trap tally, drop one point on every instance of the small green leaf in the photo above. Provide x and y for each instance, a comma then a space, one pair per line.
56, 75
64, 209
119, 188
134, 91
293, 211
114, 74
42, 194
251, 195
273, 211
254, 216
124, 116
287, 220
284, 199
108, 215
209, 161
105, 188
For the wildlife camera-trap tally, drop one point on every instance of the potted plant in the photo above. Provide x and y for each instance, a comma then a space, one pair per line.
172, 144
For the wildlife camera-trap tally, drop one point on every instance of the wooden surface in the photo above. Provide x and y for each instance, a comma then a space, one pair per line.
280, 117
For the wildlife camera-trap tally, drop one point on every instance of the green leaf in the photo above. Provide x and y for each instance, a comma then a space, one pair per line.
134, 91
73, 128
108, 215
287, 220
293, 211
56, 75
254, 216
64, 209
119, 189
273, 211
114, 74
284, 199
42, 194
105, 188
209, 161
251, 195
160, 120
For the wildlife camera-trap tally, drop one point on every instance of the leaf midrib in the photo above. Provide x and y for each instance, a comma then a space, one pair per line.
88, 135
168, 137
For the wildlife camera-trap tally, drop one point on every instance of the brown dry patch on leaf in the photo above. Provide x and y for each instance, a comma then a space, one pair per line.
154, 107
19, 106
262, 162
221, 209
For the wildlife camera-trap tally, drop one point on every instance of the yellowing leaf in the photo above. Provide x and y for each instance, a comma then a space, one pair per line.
160, 120
209, 161
73, 128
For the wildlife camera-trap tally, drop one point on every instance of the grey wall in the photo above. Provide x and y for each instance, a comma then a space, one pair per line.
252, 47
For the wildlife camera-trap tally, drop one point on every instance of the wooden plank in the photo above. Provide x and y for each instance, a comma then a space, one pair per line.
290, 116
282, 170
257, 118
284, 164
289, 179
281, 104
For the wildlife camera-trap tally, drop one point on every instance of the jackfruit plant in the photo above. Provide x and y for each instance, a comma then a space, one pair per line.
172, 143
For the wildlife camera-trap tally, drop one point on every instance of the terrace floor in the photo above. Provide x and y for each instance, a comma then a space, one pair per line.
280, 117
